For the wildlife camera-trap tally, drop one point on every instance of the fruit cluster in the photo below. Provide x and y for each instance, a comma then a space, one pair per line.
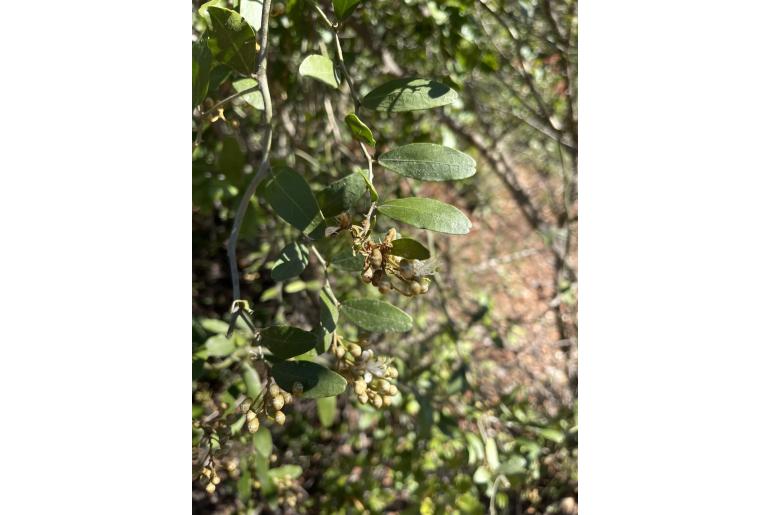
373, 379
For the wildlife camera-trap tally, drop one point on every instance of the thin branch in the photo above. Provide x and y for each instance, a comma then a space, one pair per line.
323, 15
503, 167
348, 78
325, 266
356, 101
264, 165
222, 102
523, 72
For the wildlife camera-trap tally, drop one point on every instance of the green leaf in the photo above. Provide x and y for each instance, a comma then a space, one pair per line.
515, 465
409, 248
271, 293
263, 442
373, 195
286, 471
251, 379
376, 315
219, 346
244, 485
348, 262
292, 261
233, 41
429, 162
236, 426
286, 342
203, 11
344, 8
427, 213
341, 195
555, 435
475, 448
231, 159
213, 325
317, 381
201, 66
327, 410
409, 94
295, 286
319, 68
482, 475
329, 314
254, 99
251, 10
490, 450
289, 195
359, 129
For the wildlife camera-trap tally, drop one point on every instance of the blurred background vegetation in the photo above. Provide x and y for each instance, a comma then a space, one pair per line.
487, 416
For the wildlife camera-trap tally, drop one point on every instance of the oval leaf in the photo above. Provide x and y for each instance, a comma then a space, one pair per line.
319, 68
349, 262
429, 162
201, 66
409, 248
254, 99
263, 441
409, 94
344, 8
376, 316
289, 195
327, 320
427, 213
233, 41
329, 311
252, 381
251, 10
373, 195
286, 342
359, 129
292, 261
341, 195
317, 381
219, 346
327, 410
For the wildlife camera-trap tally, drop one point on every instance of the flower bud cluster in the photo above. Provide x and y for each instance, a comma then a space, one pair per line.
273, 402
373, 379
290, 493
210, 477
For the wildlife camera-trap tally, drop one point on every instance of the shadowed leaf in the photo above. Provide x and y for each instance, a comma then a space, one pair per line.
341, 195
233, 41
291, 262
317, 381
290, 196
286, 342
409, 94
409, 248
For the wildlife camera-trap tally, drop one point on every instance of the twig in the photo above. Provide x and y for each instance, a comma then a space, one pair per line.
523, 72
264, 165
228, 99
356, 101
325, 266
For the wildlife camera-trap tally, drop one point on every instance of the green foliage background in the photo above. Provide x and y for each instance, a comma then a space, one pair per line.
454, 442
